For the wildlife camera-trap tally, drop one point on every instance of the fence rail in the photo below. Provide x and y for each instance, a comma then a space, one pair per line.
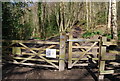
31, 41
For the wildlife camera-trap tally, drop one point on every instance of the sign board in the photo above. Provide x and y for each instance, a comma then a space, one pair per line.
51, 53
16, 50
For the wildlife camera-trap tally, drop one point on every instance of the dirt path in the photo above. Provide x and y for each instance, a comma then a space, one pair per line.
18, 72
75, 74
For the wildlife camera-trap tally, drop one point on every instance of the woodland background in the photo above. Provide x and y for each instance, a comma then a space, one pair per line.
43, 20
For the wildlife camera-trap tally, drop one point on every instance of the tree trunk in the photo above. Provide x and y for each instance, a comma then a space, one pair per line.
87, 14
114, 20
90, 5
109, 17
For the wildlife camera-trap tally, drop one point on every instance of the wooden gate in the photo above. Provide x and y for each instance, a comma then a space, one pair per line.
33, 52
82, 49
82, 52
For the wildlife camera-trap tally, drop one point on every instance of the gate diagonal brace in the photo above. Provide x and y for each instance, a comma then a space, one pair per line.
84, 54
7, 46
39, 55
84, 51
34, 55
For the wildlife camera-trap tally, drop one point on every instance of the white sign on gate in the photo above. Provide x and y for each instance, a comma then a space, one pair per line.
51, 53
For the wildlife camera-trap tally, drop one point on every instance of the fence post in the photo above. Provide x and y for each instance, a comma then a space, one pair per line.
62, 51
102, 53
70, 50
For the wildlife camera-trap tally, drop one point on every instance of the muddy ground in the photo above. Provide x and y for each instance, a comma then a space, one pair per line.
18, 72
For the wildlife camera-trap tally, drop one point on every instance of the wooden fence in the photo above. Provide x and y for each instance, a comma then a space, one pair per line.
81, 52
108, 58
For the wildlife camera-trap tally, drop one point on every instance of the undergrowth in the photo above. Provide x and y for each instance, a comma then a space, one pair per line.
90, 34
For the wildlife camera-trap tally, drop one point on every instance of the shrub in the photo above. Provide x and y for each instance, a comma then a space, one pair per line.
90, 34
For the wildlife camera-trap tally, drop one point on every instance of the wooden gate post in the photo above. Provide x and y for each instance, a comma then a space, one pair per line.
62, 51
101, 55
70, 50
